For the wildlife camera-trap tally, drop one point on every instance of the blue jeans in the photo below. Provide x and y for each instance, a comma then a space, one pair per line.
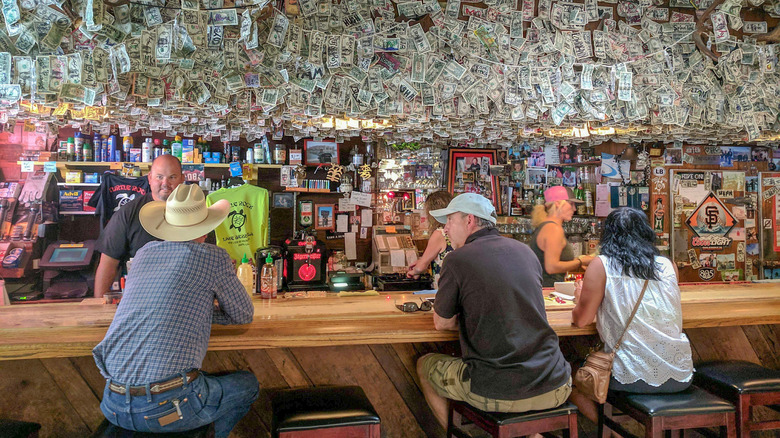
222, 400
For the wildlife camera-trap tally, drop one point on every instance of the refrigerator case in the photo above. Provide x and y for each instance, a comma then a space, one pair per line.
708, 224
769, 227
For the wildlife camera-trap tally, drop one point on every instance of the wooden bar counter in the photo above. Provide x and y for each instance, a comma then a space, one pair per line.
72, 329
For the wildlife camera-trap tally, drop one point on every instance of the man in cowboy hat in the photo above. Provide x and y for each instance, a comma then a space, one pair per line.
123, 235
154, 348
491, 291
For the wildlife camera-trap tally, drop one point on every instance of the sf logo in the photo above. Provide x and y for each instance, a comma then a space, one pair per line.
711, 216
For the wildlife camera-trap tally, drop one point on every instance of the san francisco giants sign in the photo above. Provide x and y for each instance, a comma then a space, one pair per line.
711, 222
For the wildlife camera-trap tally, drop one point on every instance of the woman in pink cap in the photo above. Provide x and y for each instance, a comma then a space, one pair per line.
549, 241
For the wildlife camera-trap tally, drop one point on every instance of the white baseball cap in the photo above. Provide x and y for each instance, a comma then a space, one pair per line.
469, 203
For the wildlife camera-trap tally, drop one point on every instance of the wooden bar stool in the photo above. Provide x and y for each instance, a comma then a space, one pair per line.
510, 424
18, 429
689, 409
746, 385
108, 430
330, 411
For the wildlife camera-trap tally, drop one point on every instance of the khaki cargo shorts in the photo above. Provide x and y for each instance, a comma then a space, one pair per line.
445, 375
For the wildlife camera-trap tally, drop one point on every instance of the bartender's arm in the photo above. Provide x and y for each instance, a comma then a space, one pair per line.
435, 246
105, 274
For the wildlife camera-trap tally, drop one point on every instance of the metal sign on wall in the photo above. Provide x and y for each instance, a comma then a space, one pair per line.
711, 222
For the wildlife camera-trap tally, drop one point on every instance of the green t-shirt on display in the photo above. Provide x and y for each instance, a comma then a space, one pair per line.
246, 228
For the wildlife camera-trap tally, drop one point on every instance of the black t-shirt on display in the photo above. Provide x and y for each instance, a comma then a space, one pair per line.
124, 235
115, 192
494, 285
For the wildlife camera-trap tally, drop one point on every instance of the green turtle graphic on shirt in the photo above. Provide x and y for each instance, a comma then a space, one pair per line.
237, 219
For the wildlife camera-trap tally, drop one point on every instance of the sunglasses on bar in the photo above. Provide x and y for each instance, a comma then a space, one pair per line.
411, 306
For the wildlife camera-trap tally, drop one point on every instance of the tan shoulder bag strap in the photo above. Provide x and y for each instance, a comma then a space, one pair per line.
631, 318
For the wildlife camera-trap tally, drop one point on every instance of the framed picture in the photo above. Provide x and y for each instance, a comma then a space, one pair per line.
324, 219
325, 152
469, 172
283, 200
673, 157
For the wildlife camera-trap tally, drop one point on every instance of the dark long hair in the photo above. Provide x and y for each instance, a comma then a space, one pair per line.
628, 241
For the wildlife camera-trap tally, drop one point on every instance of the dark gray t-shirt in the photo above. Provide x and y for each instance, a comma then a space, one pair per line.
124, 235
494, 285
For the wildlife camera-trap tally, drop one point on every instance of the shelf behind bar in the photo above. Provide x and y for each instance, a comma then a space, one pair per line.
68, 164
77, 213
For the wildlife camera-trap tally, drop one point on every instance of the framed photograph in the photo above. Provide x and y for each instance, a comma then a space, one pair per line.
469, 172
325, 152
324, 218
673, 157
283, 200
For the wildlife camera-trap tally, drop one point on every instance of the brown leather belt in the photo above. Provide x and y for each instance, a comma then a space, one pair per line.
155, 388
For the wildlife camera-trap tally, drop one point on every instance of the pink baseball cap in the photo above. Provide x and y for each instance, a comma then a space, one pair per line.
559, 193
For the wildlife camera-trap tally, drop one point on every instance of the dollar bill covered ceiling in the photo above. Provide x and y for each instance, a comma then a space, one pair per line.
484, 73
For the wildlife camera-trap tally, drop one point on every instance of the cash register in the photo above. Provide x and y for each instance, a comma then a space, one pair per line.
68, 269
393, 250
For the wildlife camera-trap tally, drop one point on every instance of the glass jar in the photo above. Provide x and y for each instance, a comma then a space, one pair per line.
280, 154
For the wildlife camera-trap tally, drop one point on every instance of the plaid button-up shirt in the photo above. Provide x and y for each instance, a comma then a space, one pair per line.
163, 323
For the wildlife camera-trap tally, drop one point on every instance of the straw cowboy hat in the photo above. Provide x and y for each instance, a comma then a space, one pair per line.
184, 216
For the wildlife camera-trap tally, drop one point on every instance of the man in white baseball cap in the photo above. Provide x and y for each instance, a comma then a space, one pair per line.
153, 350
491, 291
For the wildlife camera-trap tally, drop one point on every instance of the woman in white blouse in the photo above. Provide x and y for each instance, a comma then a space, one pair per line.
655, 356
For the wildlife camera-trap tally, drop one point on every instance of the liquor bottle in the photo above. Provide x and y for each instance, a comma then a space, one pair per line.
592, 239
166, 147
580, 194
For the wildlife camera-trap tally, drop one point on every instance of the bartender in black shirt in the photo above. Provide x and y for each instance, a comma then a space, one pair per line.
124, 235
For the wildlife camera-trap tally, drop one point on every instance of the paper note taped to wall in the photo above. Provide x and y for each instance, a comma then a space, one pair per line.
361, 199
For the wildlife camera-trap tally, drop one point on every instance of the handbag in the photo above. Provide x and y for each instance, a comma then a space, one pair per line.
592, 379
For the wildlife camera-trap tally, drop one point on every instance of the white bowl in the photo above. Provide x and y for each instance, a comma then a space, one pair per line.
565, 287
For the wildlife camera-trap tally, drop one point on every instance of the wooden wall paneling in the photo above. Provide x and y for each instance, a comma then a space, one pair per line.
32, 394
289, 367
356, 365
76, 390
408, 356
765, 340
721, 343
85, 365
406, 384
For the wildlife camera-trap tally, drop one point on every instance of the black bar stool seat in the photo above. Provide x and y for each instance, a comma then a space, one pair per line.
108, 430
18, 429
510, 424
303, 412
692, 408
746, 385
